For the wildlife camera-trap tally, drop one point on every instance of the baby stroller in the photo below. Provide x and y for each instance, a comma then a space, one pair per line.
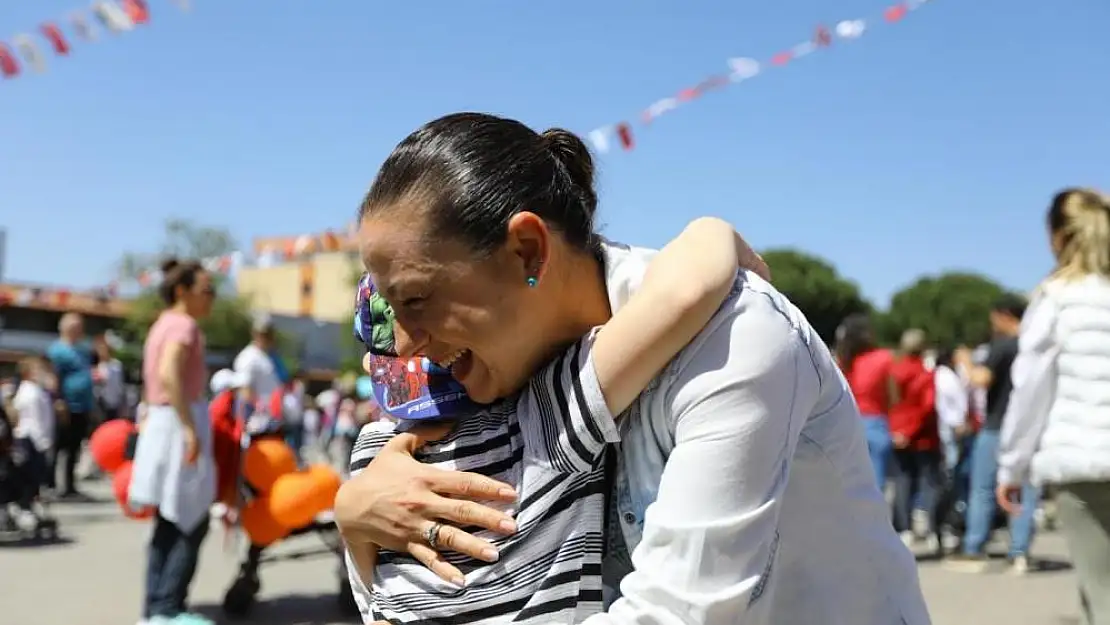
22, 469
241, 596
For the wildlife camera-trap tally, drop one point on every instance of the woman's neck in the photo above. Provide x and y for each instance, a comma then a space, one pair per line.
583, 298
180, 309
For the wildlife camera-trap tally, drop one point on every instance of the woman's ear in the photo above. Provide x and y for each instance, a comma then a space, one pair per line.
529, 240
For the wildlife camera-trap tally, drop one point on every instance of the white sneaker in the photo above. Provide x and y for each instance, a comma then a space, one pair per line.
27, 521
950, 541
908, 538
919, 520
1020, 565
932, 544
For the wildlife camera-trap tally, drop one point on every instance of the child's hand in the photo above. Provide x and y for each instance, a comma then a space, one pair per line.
751, 260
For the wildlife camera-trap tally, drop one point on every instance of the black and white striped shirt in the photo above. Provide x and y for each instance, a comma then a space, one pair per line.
549, 444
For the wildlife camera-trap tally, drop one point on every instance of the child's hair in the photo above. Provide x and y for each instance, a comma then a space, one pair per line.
177, 273
1079, 220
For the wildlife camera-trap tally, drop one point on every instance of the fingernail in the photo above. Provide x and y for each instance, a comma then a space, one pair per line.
459, 581
507, 492
507, 526
490, 555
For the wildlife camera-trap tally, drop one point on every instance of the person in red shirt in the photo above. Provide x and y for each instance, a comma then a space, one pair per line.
868, 371
916, 439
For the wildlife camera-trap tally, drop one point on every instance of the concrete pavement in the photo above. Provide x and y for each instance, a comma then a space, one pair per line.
94, 577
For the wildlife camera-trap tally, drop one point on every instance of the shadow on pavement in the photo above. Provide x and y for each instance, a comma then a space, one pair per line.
15, 541
320, 609
1048, 565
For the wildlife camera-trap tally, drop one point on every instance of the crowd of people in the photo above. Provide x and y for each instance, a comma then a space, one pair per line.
50, 408
965, 438
697, 453
933, 418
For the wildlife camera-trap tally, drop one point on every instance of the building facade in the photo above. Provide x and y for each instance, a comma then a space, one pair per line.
29, 316
318, 285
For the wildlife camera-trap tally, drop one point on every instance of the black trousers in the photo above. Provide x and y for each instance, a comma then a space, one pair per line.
171, 564
69, 439
916, 472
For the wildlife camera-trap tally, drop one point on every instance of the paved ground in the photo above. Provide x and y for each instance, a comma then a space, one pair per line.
93, 577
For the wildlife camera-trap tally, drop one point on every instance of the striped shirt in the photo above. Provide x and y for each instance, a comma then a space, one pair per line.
549, 444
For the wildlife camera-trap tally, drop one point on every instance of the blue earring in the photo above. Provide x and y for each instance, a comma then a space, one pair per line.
532, 282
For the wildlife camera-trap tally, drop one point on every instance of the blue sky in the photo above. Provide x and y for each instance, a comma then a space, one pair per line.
926, 145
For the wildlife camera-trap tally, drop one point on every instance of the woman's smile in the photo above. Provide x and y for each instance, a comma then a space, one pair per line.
461, 365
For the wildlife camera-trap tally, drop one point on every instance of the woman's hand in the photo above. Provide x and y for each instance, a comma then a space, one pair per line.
395, 499
192, 449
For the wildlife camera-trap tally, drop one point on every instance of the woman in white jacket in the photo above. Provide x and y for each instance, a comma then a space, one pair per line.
1057, 430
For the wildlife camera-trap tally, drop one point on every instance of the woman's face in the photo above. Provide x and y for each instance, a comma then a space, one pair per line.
198, 298
473, 313
1056, 242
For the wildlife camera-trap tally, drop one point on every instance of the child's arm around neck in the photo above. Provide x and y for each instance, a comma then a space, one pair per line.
684, 286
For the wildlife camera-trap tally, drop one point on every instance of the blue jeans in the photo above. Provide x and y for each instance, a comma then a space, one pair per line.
879, 445
982, 505
171, 564
294, 437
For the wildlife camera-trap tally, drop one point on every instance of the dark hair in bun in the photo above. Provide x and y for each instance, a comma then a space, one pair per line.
472, 172
177, 273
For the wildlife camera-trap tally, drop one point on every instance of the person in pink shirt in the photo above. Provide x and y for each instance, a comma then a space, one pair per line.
174, 470
868, 370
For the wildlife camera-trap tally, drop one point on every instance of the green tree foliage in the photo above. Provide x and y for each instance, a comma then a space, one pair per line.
952, 308
816, 288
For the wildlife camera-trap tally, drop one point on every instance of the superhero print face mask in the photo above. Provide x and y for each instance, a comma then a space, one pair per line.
407, 389
374, 319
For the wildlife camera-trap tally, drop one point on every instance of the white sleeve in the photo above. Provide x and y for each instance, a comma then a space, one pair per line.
1034, 388
952, 399
23, 401
709, 541
247, 365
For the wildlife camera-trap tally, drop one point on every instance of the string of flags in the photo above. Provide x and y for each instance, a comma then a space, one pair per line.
123, 15
289, 250
25, 51
744, 69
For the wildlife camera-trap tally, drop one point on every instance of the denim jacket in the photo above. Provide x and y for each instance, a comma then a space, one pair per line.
743, 486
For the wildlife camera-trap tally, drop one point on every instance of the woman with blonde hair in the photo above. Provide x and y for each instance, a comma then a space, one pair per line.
1057, 430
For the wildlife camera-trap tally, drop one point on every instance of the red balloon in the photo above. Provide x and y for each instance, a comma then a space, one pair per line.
109, 443
121, 483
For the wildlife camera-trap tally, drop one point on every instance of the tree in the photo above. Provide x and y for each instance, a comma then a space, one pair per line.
815, 287
227, 329
952, 308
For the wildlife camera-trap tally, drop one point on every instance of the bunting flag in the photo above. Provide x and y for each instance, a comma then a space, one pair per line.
27, 49
112, 16
115, 16
57, 40
743, 69
82, 27
124, 15
9, 67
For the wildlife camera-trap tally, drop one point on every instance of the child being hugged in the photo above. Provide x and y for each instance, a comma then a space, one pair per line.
549, 570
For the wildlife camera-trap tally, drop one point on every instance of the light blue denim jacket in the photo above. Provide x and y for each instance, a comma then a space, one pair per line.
743, 486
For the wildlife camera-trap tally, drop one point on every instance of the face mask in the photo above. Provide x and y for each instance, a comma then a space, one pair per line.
410, 390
